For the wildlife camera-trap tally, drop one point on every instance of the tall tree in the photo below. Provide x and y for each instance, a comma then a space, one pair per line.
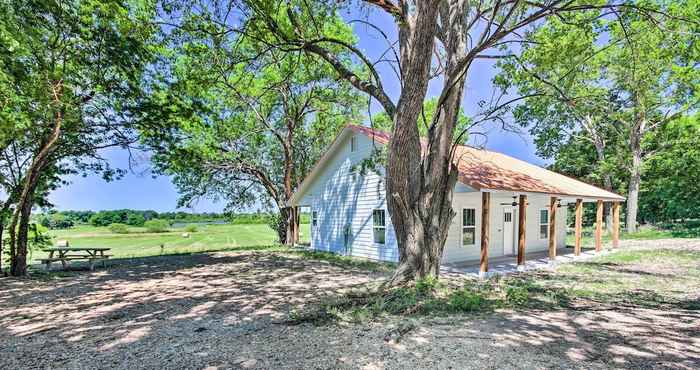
247, 133
670, 178
447, 35
74, 67
618, 80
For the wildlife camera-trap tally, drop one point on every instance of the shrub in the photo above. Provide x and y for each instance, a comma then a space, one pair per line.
191, 228
157, 226
467, 300
517, 295
55, 220
119, 228
135, 219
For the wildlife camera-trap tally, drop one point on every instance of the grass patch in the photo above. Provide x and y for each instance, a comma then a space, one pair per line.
688, 229
429, 296
141, 243
627, 278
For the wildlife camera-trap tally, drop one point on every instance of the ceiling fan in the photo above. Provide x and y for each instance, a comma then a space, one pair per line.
514, 203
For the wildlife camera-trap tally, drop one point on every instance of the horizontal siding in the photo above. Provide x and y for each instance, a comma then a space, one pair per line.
454, 251
344, 199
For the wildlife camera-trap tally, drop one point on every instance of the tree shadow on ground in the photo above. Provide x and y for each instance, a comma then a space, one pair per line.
146, 300
229, 310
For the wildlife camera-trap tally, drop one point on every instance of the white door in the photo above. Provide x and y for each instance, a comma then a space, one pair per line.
508, 231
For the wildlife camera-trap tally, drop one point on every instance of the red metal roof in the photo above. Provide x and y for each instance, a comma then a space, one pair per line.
488, 170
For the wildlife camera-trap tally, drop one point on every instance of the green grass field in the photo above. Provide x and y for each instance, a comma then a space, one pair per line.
689, 229
139, 243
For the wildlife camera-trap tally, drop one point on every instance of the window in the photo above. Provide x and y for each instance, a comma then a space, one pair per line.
379, 226
314, 218
508, 217
468, 227
544, 223
353, 144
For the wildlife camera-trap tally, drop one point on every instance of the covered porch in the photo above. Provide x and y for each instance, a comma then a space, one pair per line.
504, 265
521, 259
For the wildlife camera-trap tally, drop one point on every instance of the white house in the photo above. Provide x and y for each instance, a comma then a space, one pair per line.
349, 212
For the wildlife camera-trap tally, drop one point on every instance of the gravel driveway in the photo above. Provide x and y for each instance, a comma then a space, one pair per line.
228, 310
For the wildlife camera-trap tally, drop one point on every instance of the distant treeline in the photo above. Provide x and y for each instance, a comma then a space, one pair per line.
67, 219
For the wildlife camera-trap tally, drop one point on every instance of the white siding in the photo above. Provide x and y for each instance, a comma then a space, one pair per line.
454, 251
343, 198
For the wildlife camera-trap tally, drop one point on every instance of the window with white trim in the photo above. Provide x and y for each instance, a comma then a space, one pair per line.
544, 224
379, 226
353, 144
468, 227
314, 218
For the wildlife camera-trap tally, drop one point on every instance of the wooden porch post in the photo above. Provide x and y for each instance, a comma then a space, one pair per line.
485, 220
616, 225
553, 228
599, 226
579, 225
522, 212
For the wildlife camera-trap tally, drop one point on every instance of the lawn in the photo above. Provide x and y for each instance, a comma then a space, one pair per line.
689, 229
655, 274
139, 243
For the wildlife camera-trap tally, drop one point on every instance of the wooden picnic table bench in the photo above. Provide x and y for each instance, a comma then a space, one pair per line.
65, 254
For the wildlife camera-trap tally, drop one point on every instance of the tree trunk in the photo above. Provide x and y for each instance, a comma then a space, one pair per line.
404, 181
292, 226
18, 265
288, 225
599, 144
19, 228
634, 183
420, 181
2, 232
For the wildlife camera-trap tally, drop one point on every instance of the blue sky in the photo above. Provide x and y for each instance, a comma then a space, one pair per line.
139, 190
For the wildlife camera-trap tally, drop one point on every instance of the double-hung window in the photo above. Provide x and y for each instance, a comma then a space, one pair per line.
379, 226
314, 218
544, 224
468, 227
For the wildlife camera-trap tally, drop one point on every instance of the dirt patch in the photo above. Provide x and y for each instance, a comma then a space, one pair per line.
227, 310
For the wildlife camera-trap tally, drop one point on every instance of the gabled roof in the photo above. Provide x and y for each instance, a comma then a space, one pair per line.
487, 170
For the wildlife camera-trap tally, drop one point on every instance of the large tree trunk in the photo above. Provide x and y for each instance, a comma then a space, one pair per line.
404, 181
420, 181
634, 183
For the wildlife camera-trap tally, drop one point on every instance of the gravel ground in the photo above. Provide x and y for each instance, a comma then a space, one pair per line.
228, 310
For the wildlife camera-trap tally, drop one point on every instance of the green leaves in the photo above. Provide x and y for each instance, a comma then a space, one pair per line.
670, 187
232, 118
382, 121
601, 87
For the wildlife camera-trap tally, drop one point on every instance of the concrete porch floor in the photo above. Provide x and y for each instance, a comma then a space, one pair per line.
504, 265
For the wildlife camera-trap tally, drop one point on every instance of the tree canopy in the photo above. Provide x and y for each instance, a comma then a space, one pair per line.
70, 76
240, 123
612, 80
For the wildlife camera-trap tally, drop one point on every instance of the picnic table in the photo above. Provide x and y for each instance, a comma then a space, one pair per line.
65, 254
